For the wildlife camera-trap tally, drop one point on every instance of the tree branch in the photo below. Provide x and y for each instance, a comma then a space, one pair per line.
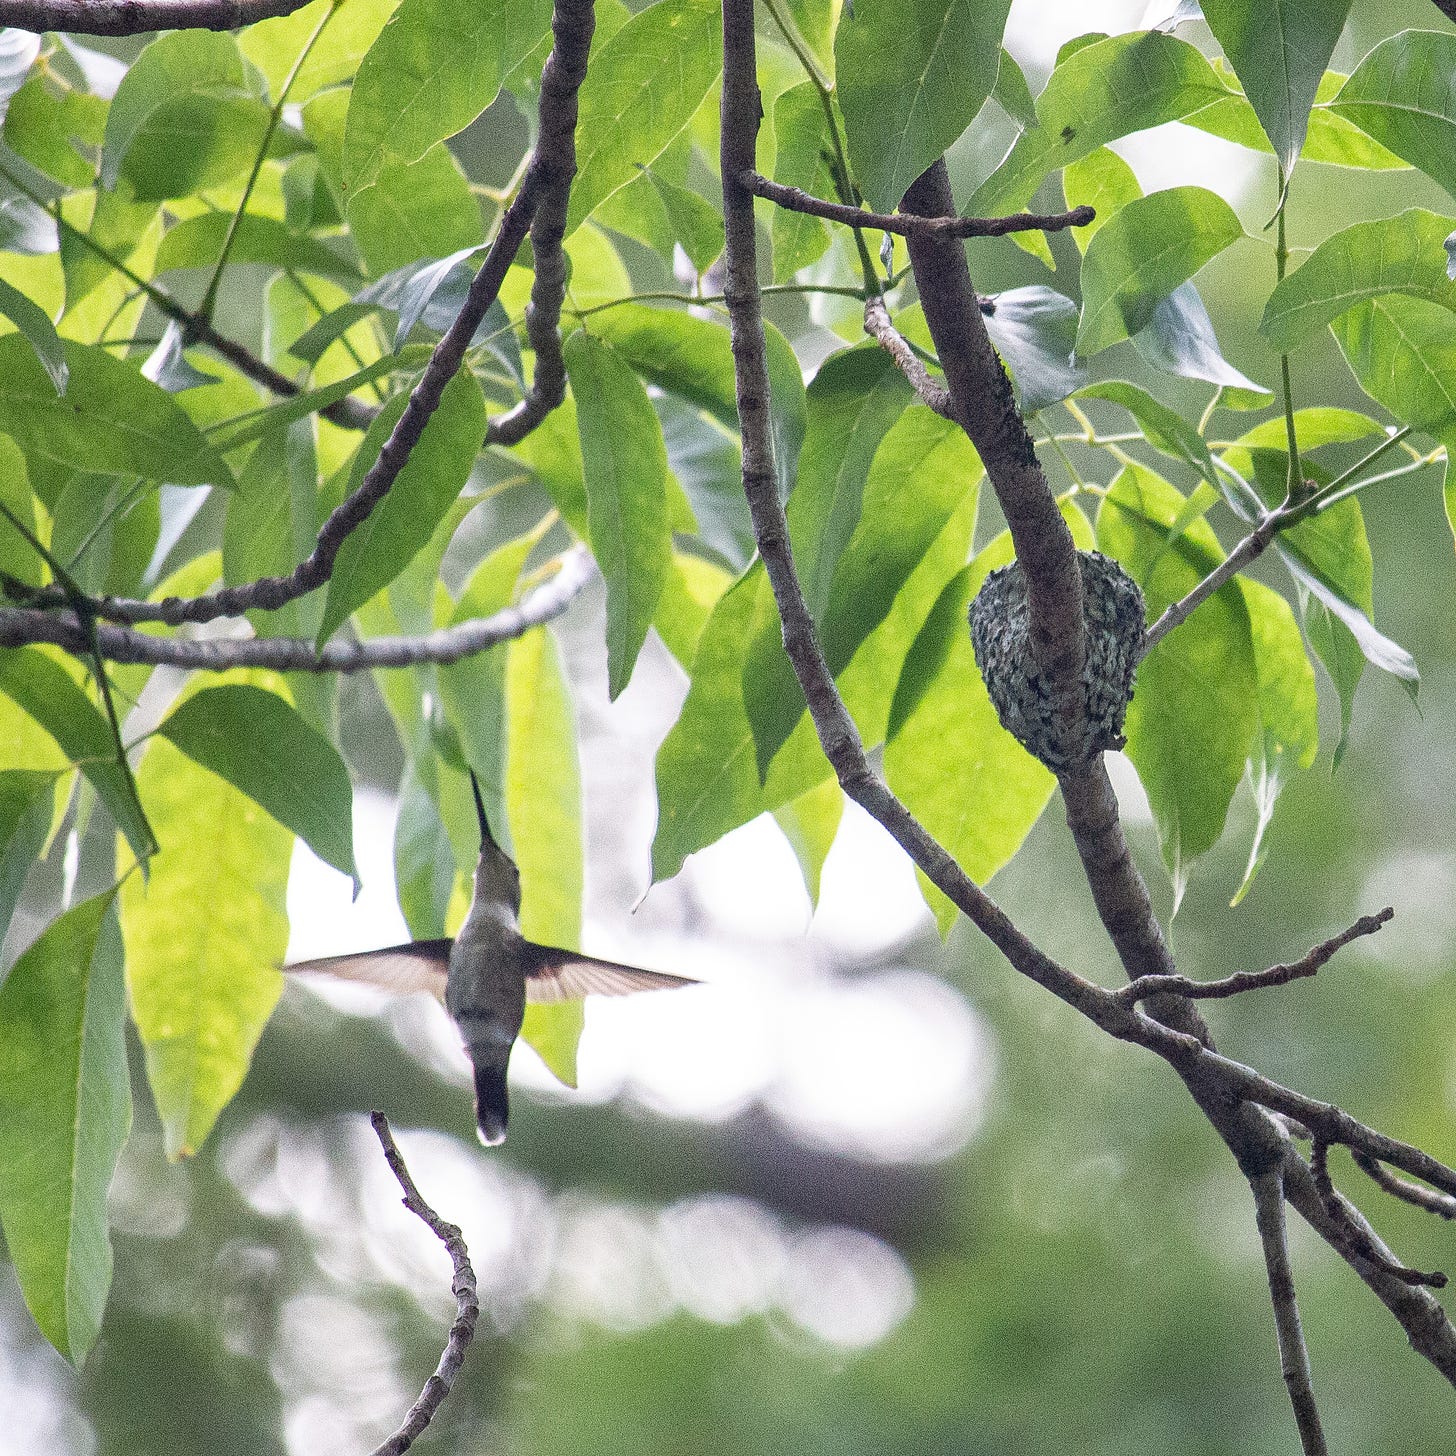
462, 1286
134, 17
878, 325
21, 627
1268, 1189
1280, 975
1443, 1205
908, 224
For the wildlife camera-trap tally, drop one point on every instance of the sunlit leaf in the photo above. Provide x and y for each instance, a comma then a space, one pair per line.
65, 1110
421, 209
1403, 353
798, 238
197, 242
810, 823
1101, 180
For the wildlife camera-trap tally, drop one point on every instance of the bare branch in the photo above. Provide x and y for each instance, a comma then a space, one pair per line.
462, 1286
134, 17
878, 325
1280, 975
906, 224
1268, 1189
21, 627
1443, 1205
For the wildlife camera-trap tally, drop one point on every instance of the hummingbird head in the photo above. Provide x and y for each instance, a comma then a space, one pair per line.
497, 880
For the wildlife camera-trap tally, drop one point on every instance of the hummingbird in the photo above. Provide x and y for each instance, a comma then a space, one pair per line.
487, 974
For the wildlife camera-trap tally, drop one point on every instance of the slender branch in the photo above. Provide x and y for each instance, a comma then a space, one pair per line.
907, 224
556, 157
19, 627
877, 324
1235, 985
135, 17
462, 1286
1268, 1189
1443, 1205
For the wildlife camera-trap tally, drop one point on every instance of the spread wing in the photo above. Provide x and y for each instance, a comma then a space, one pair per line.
418, 966
567, 975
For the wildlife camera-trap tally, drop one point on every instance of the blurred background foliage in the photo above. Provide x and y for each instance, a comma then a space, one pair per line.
870, 1193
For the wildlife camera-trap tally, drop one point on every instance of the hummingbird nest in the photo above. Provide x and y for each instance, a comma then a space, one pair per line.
1113, 609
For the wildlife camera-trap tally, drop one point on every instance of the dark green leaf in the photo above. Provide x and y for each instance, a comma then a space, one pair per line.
17, 556
624, 464
1152, 245
425, 489
27, 805
642, 88
197, 242
111, 419
1279, 53
798, 238
912, 76
1403, 353
65, 1110
259, 744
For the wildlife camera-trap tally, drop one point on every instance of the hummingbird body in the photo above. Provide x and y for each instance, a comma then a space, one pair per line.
488, 973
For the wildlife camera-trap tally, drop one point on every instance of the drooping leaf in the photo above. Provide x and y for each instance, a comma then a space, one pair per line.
258, 742
810, 823
641, 89
1012, 94
168, 365
912, 76
65, 1110
402, 523
1179, 339
1279, 52
40, 685
1163, 428
184, 117
1034, 329
624, 463
110, 419
798, 238
432, 70
543, 804
38, 331
27, 802
1403, 254
1153, 244
1193, 717
204, 940
1108, 88
1400, 94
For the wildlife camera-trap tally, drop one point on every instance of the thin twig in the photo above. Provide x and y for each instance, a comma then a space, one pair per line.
1268, 1190
878, 325
462, 1286
135, 17
1443, 1205
1235, 985
1358, 1240
19, 627
907, 224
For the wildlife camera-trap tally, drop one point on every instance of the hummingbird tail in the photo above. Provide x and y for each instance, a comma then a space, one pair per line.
491, 1104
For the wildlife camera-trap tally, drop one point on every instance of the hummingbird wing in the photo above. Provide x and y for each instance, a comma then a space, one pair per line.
553, 974
418, 966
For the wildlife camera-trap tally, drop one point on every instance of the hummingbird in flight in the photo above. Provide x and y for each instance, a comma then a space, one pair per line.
487, 974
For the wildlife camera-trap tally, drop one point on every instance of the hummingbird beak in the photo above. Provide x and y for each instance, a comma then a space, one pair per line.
486, 837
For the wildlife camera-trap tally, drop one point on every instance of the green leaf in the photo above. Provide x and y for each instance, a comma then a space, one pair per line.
43, 128
1151, 246
693, 222
65, 1111
27, 806
197, 242
434, 68
274, 45
1193, 718
1101, 180
1403, 353
18, 557
38, 331
1287, 738
799, 239
543, 806
810, 823
259, 744
972, 785
1400, 94
184, 117
109, 420
403, 522
1163, 428
204, 940
854, 400
1403, 254
40, 685
912, 76
1012, 94
1107, 89
641, 89
1279, 52
624, 463
422, 209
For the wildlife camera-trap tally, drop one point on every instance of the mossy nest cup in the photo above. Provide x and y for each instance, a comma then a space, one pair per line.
1113, 606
